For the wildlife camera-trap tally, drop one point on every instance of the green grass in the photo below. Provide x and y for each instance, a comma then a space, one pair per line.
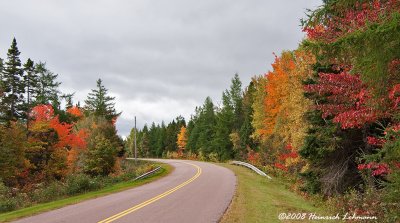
39, 208
258, 199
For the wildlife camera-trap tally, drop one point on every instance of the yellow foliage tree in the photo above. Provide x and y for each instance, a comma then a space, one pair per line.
182, 140
259, 114
285, 104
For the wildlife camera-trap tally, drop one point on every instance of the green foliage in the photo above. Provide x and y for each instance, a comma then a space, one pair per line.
201, 136
46, 89
101, 156
12, 98
81, 183
12, 150
99, 103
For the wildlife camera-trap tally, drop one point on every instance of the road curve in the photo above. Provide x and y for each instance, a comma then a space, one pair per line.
193, 192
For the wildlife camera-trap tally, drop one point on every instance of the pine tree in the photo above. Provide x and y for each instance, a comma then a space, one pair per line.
68, 100
30, 81
206, 127
144, 142
46, 91
101, 104
236, 97
161, 139
3, 108
246, 130
223, 128
12, 98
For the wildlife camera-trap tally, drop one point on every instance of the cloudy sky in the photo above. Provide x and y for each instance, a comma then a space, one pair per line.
159, 58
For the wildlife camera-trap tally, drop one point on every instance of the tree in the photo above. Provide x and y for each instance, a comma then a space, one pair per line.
101, 157
246, 130
223, 128
12, 150
100, 103
31, 81
46, 91
182, 140
258, 106
12, 98
236, 97
51, 141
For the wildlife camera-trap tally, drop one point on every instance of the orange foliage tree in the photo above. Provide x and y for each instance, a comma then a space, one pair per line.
285, 105
51, 142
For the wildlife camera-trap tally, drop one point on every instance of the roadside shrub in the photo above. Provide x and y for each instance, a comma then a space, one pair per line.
202, 156
49, 192
80, 183
213, 157
7, 205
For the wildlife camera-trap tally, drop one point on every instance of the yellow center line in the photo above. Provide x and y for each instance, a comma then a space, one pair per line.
154, 199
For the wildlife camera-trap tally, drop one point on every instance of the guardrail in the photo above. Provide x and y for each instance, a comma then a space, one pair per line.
148, 173
248, 165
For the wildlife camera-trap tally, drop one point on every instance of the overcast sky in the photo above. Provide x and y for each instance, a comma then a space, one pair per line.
160, 59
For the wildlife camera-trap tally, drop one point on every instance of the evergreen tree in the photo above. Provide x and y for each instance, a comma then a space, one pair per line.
236, 97
30, 80
193, 132
153, 134
144, 142
68, 100
12, 98
161, 139
205, 127
229, 119
46, 91
224, 126
101, 104
246, 130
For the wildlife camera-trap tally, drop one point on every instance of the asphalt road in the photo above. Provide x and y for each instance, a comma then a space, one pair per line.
193, 192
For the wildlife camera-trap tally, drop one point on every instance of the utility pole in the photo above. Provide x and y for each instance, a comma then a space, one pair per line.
135, 143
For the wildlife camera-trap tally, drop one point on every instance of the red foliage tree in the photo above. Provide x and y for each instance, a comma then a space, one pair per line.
348, 100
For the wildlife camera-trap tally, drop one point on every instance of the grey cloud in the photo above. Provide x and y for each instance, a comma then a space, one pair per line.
159, 58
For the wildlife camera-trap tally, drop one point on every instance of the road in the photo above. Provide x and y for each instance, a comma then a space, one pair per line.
193, 192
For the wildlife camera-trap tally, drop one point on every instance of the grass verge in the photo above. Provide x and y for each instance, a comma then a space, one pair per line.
39, 208
258, 199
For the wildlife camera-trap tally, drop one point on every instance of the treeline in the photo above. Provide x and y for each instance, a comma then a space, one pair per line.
326, 115
41, 141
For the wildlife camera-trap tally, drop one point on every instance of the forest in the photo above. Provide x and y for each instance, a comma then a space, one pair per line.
326, 116
50, 147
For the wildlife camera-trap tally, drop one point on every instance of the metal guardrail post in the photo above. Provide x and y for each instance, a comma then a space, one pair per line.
148, 173
248, 165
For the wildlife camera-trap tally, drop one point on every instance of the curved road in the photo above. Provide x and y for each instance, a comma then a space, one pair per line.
193, 192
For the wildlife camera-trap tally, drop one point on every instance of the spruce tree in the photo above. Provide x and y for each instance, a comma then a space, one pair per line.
206, 127
12, 99
246, 130
100, 103
30, 81
224, 126
46, 91
236, 97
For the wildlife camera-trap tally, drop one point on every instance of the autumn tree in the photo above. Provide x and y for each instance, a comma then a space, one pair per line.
100, 103
101, 157
258, 107
182, 140
50, 142
12, 148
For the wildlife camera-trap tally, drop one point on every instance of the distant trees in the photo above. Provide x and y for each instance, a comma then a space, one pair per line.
42, 142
